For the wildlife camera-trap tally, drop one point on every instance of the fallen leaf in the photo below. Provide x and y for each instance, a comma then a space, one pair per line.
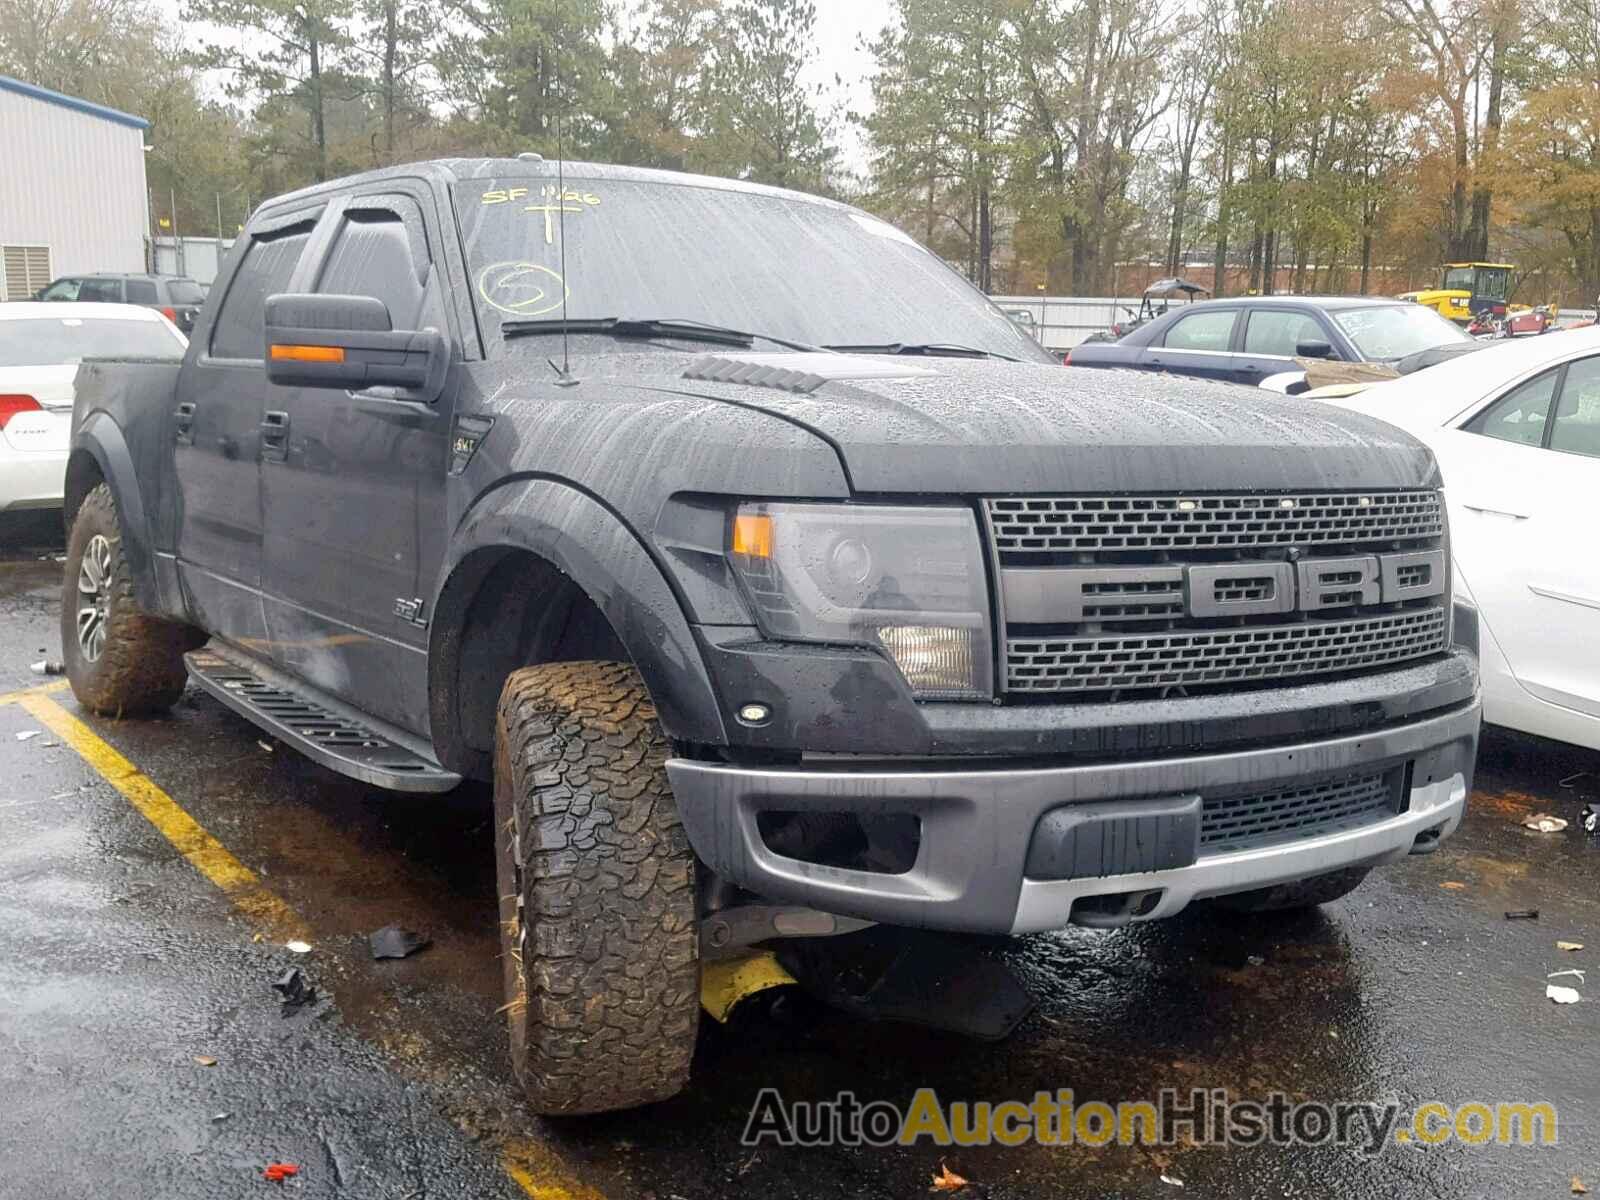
947, 1180
1569, 945
1544, 823
205, 1060
1577, 1187
278, 1172
1562, 995
1455, 885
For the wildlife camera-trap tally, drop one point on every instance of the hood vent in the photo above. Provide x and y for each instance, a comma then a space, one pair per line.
799, 373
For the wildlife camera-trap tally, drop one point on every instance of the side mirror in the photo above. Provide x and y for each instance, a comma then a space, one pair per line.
1313, 349
349, 342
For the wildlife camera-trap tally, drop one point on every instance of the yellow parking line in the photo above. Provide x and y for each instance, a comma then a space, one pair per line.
44, 689
207, 855
535, 1168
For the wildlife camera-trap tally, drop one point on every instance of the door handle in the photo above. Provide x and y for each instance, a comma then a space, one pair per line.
275, 437
183, 423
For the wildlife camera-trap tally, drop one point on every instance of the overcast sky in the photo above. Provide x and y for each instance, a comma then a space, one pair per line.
841, 26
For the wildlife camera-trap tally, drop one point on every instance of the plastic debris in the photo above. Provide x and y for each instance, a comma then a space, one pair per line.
1570, 971
294, 990
1562, 995
1544, 823
394, 942
1172, 1181
1569, 945
278, 1172
298, 947
28, 734
1522, 914
205, 1060
218, 1117
47, 666
1590, 818
947, 1180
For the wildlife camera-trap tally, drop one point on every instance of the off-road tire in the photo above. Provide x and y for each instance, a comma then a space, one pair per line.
140, 667
1304, 893
598, 926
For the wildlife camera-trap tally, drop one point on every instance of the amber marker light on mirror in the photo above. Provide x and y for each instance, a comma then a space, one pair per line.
328, 354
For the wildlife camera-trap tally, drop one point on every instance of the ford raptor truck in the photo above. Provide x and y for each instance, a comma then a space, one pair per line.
775, 579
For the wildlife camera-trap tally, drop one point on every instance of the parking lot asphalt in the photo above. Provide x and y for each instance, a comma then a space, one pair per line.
124, 970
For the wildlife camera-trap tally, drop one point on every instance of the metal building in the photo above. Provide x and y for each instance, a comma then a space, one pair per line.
72, 188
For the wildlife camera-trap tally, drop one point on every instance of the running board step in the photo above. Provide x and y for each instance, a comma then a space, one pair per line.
321, 728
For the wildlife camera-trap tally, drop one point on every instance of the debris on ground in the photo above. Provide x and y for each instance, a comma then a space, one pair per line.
1172, 1181
298, 947
1255, 960
217, 1117
1561, 995
47, 666
278, 1172
1569, 945
28, 734
294, 990
394, 942
1590, 818
1571, 971
1522, 914
1577, 1187
205, 1060
265, 746
947, 1180
1454, 885
1544, 823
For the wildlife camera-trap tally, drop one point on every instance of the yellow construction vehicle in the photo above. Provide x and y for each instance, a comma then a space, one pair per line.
1469, 290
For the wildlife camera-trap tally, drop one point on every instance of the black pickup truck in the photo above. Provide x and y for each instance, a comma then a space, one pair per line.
775, 579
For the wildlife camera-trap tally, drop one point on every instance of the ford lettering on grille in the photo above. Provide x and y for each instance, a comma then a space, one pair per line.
1162, 595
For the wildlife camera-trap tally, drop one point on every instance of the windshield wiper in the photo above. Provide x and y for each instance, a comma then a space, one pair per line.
646, 327
939, 349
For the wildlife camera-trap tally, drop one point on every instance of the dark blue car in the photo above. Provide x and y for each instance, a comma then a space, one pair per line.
1248, 339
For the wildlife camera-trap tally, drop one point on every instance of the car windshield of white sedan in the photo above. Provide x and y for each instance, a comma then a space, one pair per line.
60, 341
1396, 330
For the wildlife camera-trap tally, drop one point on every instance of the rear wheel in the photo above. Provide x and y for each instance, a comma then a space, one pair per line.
1303, 893
597, 894
120, 661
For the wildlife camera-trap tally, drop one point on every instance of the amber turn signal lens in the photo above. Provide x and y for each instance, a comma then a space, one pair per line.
752, 535
331, 354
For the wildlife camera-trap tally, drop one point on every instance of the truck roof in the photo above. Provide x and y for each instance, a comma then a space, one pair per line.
454, 170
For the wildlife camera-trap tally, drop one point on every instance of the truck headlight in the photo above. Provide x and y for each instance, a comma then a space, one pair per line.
907, 581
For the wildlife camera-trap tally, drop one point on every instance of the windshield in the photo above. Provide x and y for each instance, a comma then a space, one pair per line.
1458, 279
60, 341
770, 265
1394, 331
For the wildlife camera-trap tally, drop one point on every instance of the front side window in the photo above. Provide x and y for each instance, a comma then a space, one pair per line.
269, 262
62, 341
747, 259
1272, 331
371, 256
1576, 426
1520, 415
62, 289
1202, 331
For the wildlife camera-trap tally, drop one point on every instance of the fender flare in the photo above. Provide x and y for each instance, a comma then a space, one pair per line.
592, 546
100, 438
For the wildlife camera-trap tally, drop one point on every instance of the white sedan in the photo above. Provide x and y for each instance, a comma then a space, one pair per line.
1516, 430
40, 348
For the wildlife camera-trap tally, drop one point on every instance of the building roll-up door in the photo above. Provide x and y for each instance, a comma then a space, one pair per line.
26, 271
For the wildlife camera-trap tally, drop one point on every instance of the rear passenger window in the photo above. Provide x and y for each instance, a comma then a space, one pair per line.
141, 291
372, 256
102, 291
1201, 331
269, 262
1520, 414
1271, 331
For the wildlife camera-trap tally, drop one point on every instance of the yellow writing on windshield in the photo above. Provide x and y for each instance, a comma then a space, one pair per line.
552, 201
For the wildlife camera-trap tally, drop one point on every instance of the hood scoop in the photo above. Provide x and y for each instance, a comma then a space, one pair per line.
799, 373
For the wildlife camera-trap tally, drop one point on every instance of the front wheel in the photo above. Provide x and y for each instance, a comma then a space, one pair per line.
120, 661
598, 925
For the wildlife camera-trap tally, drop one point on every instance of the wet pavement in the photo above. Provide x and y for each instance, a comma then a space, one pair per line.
120, 965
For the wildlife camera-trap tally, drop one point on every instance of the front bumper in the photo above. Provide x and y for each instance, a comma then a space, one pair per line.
978, 823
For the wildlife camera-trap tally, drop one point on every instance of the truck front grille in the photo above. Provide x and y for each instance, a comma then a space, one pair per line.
1243, 822
1121, 597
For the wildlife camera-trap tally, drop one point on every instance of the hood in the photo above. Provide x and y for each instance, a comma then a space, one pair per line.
51, 385
1435, 355
981, 426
